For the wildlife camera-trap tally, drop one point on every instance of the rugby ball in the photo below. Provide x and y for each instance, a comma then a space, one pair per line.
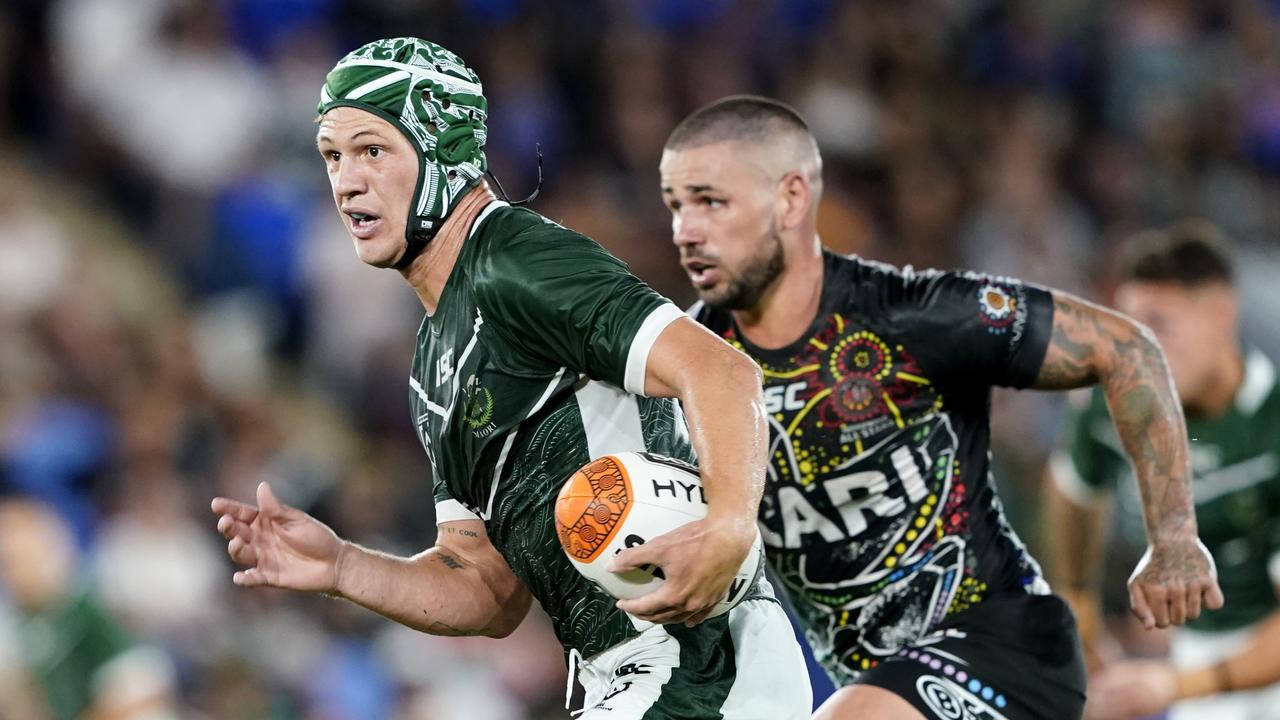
619, 501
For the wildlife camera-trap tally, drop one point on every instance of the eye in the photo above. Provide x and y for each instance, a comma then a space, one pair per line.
375, 151
332, 155
711, 202
674, 205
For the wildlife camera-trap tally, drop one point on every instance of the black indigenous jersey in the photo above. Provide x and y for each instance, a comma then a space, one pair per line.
880, 514
531, 366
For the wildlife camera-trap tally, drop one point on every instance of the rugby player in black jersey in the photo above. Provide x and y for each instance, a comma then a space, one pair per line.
880, 514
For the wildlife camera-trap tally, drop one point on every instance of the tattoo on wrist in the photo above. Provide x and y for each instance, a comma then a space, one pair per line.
462, 531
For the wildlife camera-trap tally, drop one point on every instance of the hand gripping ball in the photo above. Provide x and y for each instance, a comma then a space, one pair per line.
626, 499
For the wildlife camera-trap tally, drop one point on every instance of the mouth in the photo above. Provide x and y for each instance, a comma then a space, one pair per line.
363, 224
701, 273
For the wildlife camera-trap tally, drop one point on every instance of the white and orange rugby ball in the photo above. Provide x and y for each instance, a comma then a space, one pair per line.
626, 499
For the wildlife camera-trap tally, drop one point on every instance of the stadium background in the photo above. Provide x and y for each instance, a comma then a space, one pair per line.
181, 315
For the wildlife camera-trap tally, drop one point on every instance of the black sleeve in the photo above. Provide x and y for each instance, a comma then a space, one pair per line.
976, 328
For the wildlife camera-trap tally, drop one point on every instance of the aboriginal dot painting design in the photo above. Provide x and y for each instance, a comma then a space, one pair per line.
951, 691
867, 515
591, 505
844, 387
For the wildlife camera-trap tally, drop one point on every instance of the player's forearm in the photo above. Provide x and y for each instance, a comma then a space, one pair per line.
1091, 344
724, 407
1255, 666
1148, 417
436, 591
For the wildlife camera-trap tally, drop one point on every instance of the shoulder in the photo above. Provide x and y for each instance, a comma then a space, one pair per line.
518, 247
510, 231
873, 283
884, 279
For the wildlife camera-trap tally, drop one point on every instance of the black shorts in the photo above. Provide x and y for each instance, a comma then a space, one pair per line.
1013, 657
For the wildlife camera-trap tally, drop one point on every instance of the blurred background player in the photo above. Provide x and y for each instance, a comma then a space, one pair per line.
1180, 282
64, 657
880, 515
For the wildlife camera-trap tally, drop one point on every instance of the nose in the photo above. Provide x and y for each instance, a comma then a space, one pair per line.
349, 180
686, 229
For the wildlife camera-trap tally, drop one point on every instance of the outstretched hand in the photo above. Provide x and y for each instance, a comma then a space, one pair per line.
699, 560
281, 546
1173, 581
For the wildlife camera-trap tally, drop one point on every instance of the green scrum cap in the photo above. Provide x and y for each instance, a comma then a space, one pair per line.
437, 102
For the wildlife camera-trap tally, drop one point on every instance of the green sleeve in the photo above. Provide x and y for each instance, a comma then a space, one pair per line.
559, 296
1088, 464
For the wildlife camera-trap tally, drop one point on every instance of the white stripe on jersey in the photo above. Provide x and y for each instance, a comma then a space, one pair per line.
638, 356
511, 439
422, 395
610, 419
451, 510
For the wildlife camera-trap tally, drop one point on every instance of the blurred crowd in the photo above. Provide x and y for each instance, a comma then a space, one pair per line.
181, 314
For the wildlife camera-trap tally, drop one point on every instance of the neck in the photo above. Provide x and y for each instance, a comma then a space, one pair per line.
429, 272
1221, 389
789, 305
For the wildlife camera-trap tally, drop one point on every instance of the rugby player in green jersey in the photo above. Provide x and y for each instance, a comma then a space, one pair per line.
880, 515
539, 353
1179, 283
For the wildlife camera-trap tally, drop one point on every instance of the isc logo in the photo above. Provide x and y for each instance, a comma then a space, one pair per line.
783, 397
444, 368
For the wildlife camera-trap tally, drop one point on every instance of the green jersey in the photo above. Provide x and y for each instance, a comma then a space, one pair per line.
65, 646
532, 365
1235, 459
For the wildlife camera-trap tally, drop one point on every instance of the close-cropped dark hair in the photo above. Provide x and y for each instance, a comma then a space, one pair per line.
1190, 253
737, 117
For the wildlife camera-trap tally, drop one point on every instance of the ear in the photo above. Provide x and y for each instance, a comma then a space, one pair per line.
794, 200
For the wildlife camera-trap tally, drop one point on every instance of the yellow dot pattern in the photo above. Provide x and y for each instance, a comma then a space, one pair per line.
921, 521
971, 593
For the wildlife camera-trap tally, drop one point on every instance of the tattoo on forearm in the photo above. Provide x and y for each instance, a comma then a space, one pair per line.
461, 531
1069, 362
1087, 342
450, 561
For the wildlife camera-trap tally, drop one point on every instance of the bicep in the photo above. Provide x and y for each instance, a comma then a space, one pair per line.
685, 350
1088, 342
466, 543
